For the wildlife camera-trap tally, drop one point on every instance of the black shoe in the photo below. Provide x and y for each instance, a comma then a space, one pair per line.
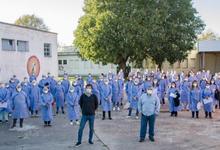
78, 144
6, 121
0, 121
103, 118
110, 118
57, 112
151, 139
141, 140
63, 112
90, 142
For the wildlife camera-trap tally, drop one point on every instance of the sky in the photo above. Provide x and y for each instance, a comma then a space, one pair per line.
61, 16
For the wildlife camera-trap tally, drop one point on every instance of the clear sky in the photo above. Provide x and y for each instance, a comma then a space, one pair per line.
62, 15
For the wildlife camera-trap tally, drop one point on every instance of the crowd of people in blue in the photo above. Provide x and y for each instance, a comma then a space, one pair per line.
184, 90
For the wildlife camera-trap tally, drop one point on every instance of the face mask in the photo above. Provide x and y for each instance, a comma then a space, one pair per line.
59, 83
71, 91
106, 82
149, 92
136, 83
195, 85
89, 91
19, 89
207, 87
212, 81
45, 91
173, 86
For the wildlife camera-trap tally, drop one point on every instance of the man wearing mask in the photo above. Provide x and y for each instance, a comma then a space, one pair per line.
149, 107
88, 103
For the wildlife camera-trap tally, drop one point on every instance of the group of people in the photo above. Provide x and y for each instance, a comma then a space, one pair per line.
184, 91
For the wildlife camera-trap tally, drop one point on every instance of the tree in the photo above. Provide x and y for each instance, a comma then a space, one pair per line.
176, 29
125, 31
32, 21
209, 35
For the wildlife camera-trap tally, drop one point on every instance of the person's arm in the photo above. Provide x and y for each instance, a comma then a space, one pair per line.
81, 101
96, 102
157, 106
140, 105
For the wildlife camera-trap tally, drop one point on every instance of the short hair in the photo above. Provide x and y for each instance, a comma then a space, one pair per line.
89, 85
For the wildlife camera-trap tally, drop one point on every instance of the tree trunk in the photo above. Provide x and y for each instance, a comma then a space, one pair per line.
160, 66
126, 69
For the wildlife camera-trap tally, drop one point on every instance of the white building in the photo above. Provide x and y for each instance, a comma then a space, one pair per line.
24, 50
70, 62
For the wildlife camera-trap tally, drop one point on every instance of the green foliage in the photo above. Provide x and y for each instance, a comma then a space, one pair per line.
31, 21
125, 31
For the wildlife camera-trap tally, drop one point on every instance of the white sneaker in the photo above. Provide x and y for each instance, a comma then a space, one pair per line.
118, 109
71, 123
137, 117
77, 123
113, 108
128, 117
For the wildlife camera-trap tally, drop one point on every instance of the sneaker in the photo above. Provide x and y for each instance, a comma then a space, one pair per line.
77, 123
151, 139
78, 144
128, 117
113, 109
90, 142
136, 117
71, 123
110, 118
118, 109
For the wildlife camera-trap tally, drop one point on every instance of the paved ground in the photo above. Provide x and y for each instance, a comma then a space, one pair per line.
119, 134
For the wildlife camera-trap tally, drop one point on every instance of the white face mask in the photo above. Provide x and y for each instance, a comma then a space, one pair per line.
207, 86
195, 84
19, 89
149, 92
45, 91
89, 91
71, 91
106, 82
173, 86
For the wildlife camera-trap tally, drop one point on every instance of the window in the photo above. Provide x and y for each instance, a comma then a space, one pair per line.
65, 62
60, 62
22, 46
8, 44
47, 50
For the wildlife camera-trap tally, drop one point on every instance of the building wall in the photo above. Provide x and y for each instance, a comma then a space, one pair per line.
15, 62
76, 66
212, 62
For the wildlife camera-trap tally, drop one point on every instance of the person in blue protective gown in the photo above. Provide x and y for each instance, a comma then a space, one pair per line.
59, 97
135, 92
4, 101
106, 98
66, 84
207, 101
73, 108
46, 107
19, 106
115, 93
174, 101
34, 96
195, 99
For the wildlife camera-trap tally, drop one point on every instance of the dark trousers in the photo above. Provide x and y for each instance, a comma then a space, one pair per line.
145, 120
84, 119
130, 111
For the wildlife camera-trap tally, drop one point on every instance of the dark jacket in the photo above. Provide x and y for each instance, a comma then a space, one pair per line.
88, 104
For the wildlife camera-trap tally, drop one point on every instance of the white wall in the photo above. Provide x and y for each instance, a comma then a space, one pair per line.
76, 66
15, 62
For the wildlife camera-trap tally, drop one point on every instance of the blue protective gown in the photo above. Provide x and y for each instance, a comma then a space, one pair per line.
46, 106
207, 93
20, 105
106, 97
128, 87
172, 107
115, 92
66, 85
195, 98
34, 97
136, 91
4, 98
59, 96
73, 108
185, 92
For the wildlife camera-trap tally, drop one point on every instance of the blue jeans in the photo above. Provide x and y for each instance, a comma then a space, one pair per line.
144, 121
84, 119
